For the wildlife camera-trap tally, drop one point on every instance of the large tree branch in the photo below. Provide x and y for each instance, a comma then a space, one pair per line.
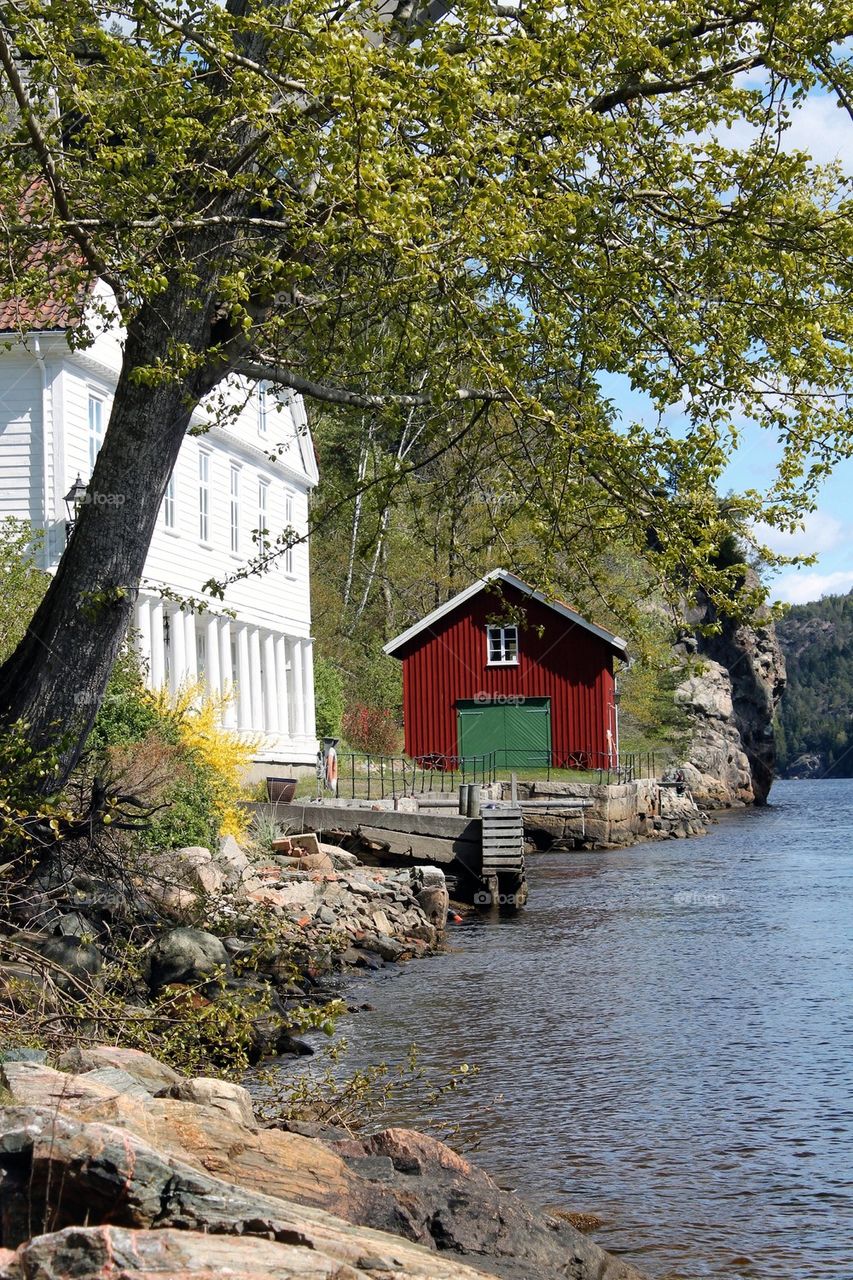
216, 52
270, 372
50, 171
635, 89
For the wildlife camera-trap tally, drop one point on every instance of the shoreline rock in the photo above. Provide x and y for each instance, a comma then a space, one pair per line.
130, 1182
260, 936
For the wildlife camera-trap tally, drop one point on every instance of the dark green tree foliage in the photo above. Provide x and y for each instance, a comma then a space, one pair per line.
328, 698
816, 715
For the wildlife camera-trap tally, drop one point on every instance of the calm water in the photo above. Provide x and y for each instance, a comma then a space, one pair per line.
668, 1032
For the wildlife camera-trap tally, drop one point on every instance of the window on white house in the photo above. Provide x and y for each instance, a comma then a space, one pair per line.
288, 520
263, 508
235, 508
169, 503
263, 408
96, 428
502, 643
204, 496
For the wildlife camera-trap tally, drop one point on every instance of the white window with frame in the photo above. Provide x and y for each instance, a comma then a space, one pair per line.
169, 516
502, 646
96, 428
203, 495
263, 408
263, 512
288, 520
235, 508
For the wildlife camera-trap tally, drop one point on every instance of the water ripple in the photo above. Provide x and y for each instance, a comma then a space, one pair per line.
669, 1032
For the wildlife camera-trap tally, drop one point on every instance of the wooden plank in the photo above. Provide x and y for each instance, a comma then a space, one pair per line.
428, 848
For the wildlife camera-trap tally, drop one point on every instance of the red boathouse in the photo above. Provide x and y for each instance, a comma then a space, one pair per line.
501, 669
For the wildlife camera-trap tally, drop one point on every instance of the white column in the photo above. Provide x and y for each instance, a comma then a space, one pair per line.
255, 669
281, 683
189, 641
270, 685
143, 628
244, 680
308, 675
297, 687
178, 641
226, 675
158, 646
214, 678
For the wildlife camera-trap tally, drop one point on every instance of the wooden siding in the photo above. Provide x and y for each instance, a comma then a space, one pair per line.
557, 660
21, 486
275, 600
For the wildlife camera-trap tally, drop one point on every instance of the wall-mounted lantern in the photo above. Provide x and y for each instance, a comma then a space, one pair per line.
74, 499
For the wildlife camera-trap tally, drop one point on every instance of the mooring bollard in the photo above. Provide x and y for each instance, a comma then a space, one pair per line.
464, 789
474, 800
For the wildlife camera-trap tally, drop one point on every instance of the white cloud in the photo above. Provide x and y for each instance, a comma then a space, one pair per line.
817, 126
800, 588
820, 532
822, 129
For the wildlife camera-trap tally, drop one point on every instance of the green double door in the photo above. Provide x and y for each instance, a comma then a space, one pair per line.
518, 733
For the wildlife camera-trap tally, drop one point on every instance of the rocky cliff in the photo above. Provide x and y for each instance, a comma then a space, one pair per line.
815, 738
734, 682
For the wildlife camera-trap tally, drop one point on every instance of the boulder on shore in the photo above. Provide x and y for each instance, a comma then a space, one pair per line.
77, 1151
186, 955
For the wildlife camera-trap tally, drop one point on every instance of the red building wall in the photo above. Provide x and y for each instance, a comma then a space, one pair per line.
565, 663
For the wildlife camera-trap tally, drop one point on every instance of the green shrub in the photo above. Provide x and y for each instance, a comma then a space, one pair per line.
328, 698
24, 583
138, 744
127, 715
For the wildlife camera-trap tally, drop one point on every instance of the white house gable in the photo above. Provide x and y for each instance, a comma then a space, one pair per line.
247, 464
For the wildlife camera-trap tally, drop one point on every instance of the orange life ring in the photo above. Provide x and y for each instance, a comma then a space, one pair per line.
332, 769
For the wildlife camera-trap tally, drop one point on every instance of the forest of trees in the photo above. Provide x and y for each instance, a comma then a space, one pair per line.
816, 714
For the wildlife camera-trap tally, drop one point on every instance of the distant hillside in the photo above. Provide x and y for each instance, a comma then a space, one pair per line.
815, 719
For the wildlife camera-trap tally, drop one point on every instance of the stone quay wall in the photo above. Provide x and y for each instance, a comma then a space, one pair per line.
613, 815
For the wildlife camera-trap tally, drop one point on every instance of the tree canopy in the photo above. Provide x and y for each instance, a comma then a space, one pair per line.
452, 221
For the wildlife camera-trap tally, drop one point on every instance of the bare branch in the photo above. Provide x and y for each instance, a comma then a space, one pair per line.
281, 377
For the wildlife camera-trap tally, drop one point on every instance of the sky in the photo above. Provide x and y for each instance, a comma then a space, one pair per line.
820, 128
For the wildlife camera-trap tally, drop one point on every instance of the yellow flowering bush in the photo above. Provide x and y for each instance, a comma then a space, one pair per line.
197, 718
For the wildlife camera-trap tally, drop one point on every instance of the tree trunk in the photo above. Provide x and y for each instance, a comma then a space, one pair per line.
55, 679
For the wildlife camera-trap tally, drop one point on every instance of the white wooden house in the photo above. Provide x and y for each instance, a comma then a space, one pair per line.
253, 468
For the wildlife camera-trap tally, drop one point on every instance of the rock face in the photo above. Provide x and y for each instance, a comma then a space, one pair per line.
125, 1183
736, 680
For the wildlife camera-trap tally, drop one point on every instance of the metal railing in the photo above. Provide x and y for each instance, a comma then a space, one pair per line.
377, 777
372, 777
